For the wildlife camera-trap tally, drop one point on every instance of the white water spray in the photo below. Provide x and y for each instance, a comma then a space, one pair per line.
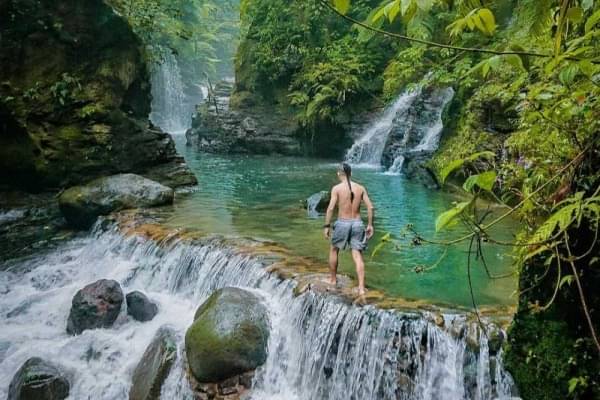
320, 347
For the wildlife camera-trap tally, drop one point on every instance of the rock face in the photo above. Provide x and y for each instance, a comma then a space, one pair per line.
247, 128
228, 337
140, 307
38, 380
95, 306
75, 98
81, 205
154, 367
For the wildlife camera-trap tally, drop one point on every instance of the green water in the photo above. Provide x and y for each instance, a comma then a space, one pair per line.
261, 197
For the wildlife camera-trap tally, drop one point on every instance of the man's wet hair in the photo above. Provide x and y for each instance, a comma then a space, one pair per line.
347, 170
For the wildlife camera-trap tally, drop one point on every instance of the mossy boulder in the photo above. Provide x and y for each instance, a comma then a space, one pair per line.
38, 380
228, 337
154, 367
97, 305
81, 205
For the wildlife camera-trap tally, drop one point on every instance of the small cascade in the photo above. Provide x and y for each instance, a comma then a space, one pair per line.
417, 133
320, 347
170, 109
369, 148
410, 128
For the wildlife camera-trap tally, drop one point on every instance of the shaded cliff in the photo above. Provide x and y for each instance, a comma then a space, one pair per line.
75, 98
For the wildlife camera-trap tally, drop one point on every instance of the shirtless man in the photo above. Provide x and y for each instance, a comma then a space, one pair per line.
349, 230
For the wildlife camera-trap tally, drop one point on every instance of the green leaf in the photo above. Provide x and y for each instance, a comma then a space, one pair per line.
487, 17
568, 279
591, 21
385, 239
485, 181
449, 168
587, 4
448, 217
342, 5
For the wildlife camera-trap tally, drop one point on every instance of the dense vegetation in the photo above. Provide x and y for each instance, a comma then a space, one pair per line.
523, 128
526, 73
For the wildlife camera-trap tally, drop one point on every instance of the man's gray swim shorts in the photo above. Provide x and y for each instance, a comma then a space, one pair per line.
349, 233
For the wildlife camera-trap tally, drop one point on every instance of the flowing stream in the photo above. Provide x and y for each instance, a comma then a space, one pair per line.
320, 347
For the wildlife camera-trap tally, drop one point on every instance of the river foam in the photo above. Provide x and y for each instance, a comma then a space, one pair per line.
321, 346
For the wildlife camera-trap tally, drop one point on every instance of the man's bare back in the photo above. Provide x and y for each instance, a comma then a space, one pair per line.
348, 209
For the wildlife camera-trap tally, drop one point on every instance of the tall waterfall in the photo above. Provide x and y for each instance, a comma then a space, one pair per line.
170, 110
368, 149
320, 348
411, 126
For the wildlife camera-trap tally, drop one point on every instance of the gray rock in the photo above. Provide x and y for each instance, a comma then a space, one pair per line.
228, 337
38, 380
95, 306
140, 307
81, 205
153, 369
317, 203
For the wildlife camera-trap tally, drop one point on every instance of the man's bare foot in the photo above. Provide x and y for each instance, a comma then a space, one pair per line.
359, 291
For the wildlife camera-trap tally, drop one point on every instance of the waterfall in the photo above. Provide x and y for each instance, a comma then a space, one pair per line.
368, 149
411, 127
170, 109
320, 347
418, 134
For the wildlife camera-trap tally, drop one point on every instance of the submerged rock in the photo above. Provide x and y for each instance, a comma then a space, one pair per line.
95, 306
81, 205
228, 337
38, 380
140, 307
154, 367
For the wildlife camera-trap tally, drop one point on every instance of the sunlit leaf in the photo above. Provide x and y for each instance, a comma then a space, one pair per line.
342, 5
448, 217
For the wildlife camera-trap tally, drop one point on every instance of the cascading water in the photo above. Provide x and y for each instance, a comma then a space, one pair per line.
411, 126
419, 133
320, 346
170, 109
368, 149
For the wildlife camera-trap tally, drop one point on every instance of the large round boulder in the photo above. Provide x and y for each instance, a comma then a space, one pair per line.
95, 306
153, 369
229, 335
81, 205
38, 380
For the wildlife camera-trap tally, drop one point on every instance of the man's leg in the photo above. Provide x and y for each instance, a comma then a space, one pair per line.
360, 270
333, 264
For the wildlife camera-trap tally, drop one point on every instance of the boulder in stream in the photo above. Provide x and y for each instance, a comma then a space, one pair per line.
81, 205
317, 203
140, 307
228, 337
95, 306
38, 380
154, 367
